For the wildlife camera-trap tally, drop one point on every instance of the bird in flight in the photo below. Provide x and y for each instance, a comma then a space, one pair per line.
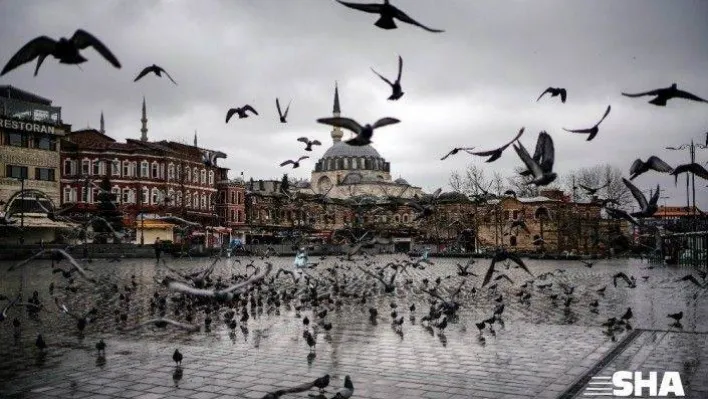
542, 170
456, 150
283, 116
497, 153
308, 143
65, 50
592, 190
665, 94
387, 13
396, 91
157, 70
209, 157
555, 92
296, 164
593, 130
653, 163
694, 168
363, 133
646, 208
240, 111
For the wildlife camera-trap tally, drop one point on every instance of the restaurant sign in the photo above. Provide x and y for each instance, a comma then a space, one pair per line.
26, 126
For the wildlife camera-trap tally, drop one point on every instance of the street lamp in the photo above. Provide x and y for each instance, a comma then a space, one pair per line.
22, 208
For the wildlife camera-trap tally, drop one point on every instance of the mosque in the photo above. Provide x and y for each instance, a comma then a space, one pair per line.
346, 171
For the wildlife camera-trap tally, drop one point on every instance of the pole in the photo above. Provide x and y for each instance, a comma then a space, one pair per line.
22, 212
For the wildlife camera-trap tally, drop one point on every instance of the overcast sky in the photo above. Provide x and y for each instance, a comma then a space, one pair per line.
474, 85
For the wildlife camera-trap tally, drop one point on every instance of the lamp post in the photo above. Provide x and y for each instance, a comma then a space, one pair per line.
22, 208
692, 153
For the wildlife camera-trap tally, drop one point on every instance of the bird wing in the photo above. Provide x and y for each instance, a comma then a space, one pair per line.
548, 90
655, 197
184, 288
516, 259
168, 76
303, 139
230, 113
288, 162
76, 265
607, 112
346, 123
657, 164
641, 199
584, 187
585, 131
490, 272
28, 260
402, 16
83, 39
448, 154
634, 169
646, 93
40, 46
382, 77
492, 152
547, 152
280, 113
316, 142
531, 165
252, 280
302, 157
563, 94
689, 96
370, 8
249, 108
400, 68
384, 122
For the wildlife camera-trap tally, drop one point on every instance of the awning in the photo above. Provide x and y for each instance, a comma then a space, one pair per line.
149, 224
219, 229
42, 221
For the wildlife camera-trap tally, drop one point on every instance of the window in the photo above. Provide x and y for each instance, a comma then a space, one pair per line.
405, 218
116, 194
16, 139
515, 214
94, 195
126, 196
512, 241
144, 172
67, 195
126, 169
204, 201
195, 175
211, 177
145, 196
178, 173
45, 142
170, 197
155, 170
45, 174
155, 196
134, 168
396, 218
85, 166
203, 176
179, 198
188, 174
18, 172
84, 195
68, 167
115, 168
97, 167
170, 172
188, 199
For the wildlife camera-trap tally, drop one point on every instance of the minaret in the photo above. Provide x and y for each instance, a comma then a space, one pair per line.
144, 120
103, 125
336, 132
195, 137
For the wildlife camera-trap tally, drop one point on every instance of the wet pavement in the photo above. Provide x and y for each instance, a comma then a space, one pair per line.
544, 350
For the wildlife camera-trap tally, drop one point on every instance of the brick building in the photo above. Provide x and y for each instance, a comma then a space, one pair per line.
148, 178
30, 131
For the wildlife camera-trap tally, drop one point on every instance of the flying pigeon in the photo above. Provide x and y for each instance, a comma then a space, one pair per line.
308, 143
65, 50
653, 163
387, 13
497, 153
283, 116
456, 150
240, 111
363, 133
593, 130
157, 70
296, 164
542, 172
396, 91
554, 92
665, 94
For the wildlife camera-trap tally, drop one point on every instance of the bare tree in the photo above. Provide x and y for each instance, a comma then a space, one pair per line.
520, 184
471, 182
598, 176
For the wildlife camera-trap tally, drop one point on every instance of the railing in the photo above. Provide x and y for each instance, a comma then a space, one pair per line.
685, 249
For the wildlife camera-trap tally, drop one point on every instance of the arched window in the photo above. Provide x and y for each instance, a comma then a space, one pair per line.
346, 163
512, 241
195, 175
155, 170
203, 176
68, 169
145, 197
170, 171
188, 199
97, 167
178, 173
204, 201
179, 198
126, 196
211, 177
85, 167
116, 192
67, 195
188, 174
115, 168
396, 218
155, 198
405, 218
144, 172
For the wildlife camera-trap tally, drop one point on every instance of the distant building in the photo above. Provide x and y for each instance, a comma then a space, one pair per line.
148, 178
31, 128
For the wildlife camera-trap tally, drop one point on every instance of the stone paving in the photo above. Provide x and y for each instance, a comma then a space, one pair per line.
542, 350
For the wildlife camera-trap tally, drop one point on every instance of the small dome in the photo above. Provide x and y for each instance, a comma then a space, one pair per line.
342, 149
401, 181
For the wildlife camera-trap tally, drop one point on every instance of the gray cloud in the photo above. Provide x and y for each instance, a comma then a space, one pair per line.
474, 85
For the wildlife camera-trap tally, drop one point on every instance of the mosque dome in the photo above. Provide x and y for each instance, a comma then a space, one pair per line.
401, 181
342, 149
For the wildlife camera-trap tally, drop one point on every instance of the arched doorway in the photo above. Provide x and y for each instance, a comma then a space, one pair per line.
29, 201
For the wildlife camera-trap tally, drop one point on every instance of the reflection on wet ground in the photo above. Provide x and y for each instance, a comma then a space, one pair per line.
542, 348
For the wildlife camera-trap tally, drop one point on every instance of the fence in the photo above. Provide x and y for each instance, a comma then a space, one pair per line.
685, 249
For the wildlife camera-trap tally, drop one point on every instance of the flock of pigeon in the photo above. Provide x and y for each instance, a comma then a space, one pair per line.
233, 299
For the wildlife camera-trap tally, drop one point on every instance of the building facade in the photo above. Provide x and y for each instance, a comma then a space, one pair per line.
148, 178
31, 129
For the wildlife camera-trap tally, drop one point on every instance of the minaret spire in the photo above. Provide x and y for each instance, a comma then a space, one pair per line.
336, 111
144, 120
195, 137
103, 124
